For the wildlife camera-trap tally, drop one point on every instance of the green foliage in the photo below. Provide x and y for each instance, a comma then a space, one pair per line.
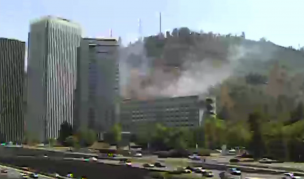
238, 135
30, 139
116, 132
114, 135
71, 141
52, 142
65, 131
214, 131
86, 137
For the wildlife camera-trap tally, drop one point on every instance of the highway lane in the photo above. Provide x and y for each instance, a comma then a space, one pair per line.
170, 168
15, 174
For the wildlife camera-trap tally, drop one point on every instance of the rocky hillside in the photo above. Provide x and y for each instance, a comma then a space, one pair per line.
242, 73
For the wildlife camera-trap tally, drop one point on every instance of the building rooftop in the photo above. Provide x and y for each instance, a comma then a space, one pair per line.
59, 19
11, 39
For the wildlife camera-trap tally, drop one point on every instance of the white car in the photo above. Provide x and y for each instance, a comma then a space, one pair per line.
138, 155
290, 176
93, 159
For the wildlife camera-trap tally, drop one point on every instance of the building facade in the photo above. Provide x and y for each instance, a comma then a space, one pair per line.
185, 111
97, 92
12, 53
52, 59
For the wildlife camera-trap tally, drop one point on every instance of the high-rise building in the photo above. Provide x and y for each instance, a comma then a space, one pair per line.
97, 92
53, 44
12, 54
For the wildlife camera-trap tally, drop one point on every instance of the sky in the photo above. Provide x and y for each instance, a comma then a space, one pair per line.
279, 21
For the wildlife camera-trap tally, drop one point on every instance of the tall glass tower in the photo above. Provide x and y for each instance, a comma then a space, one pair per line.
12, 54
97, 92
52, 59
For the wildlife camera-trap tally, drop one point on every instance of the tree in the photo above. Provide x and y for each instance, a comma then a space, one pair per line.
116, 133
257, 144
298, 113
52, 141
214, 131
65, 131
178, 138
71, 141
86, 137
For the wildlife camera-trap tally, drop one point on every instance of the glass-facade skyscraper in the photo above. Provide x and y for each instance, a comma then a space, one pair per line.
52, 59
97, 92
12, 54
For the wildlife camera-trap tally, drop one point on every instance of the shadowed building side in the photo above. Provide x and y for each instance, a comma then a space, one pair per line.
97, 93
12, 54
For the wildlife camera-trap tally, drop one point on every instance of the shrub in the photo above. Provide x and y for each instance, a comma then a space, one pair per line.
234, 160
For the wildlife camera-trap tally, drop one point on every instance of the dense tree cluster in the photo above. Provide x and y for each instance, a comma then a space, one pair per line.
263, 138
69, 137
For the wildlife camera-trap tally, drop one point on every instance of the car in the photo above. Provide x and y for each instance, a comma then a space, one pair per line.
207, 174
4, 171
70, 175
179, 170
234, 171
93, 159
34, 175
24, 176
189, 168
265, 160
198, 170
25, 168
159, 165
194, 157
125, 162
187, 171
290, 176
148, 165
138, 155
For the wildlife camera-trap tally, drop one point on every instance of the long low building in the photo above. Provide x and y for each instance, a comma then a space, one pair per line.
172, 112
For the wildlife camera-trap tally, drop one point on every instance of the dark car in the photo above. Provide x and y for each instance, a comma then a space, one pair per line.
189, 168
4, 171
207, 174
148, 165
159, 165
34, 175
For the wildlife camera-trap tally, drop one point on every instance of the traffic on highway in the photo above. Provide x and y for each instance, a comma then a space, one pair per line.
156, 165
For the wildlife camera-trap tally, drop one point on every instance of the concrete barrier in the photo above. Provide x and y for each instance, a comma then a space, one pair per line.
78, 168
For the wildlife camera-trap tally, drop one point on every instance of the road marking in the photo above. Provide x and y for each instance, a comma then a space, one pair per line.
27, 172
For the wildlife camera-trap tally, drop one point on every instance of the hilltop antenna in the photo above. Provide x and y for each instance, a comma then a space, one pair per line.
160, 23
139, 29
110, 33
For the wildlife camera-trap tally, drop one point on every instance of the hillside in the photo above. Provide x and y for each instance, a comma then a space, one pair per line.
242, 73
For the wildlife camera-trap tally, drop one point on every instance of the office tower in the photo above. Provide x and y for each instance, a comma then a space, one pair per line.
97, 91
12, 54
53, 44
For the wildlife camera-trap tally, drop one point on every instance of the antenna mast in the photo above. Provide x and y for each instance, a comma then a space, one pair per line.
139, 29
160, 23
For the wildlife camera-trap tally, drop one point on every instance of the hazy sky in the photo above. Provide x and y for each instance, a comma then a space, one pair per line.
280, 21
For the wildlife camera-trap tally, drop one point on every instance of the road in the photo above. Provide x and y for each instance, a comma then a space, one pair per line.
15, 174
168, 168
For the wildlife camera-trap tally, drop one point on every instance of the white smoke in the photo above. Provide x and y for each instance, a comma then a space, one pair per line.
195, 76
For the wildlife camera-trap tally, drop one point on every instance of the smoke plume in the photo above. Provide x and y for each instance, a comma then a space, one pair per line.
145, 78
